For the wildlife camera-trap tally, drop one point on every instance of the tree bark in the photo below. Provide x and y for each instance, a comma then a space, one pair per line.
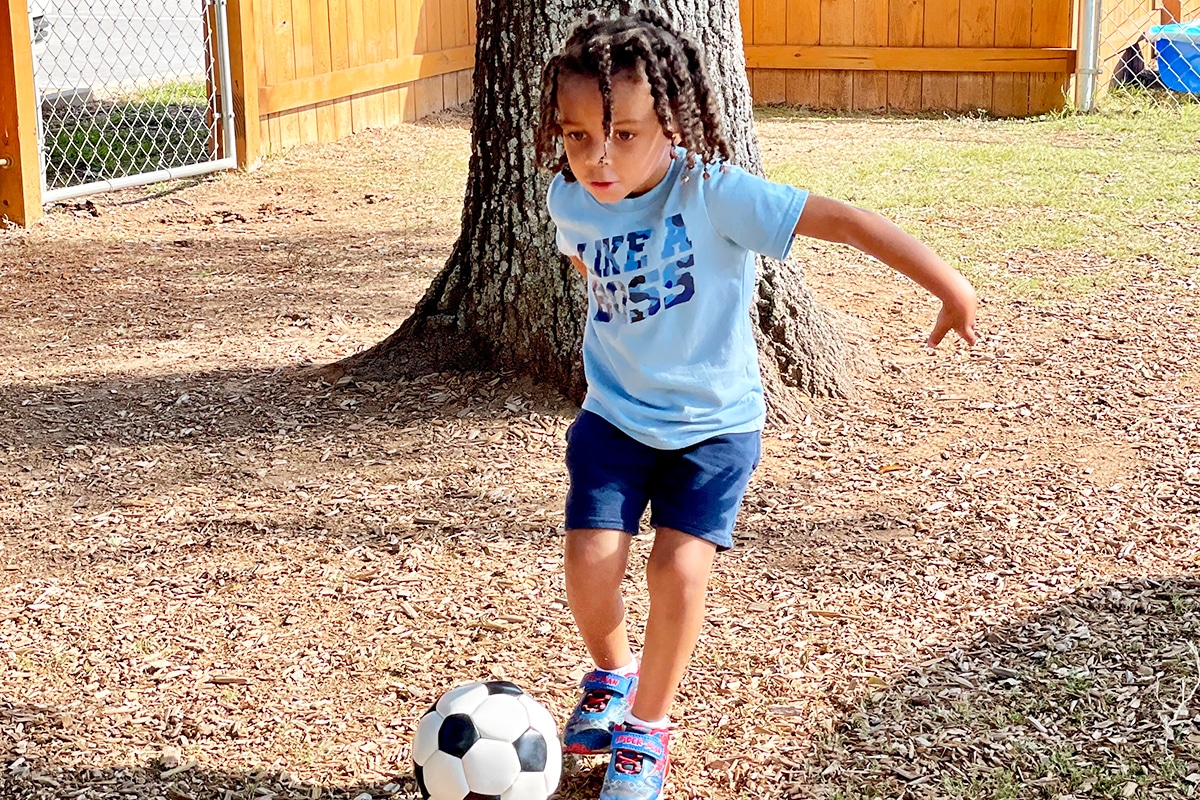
506, 297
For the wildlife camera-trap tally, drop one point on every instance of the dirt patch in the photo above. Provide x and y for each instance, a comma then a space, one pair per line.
220, 578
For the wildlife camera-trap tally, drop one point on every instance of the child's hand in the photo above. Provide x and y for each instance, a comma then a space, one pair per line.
835, 221
957, 314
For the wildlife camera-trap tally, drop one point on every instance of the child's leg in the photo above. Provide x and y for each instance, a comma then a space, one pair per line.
677, 576
595, 565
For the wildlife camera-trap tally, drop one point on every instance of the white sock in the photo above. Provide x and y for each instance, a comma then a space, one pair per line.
629, 669
654, 725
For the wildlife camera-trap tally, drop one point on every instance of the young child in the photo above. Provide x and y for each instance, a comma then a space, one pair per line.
664, 233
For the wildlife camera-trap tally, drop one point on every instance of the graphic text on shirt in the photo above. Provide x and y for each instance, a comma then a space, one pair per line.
624, 289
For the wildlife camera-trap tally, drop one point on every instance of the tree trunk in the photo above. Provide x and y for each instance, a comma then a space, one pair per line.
506, 297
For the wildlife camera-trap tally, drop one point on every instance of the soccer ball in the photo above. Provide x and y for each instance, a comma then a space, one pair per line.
487, 741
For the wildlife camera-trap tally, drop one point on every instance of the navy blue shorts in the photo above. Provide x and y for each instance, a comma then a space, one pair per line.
697, 490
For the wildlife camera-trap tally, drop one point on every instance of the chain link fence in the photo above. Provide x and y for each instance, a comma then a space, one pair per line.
1140, 53
130, 92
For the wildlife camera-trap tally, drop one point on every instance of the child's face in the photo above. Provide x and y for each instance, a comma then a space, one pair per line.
638, 154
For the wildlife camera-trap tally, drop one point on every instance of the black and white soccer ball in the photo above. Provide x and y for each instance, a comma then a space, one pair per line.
487, 741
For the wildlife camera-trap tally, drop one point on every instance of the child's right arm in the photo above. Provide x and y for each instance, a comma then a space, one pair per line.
835, 221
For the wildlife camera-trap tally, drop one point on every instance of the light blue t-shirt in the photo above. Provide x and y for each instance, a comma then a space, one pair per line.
668, 349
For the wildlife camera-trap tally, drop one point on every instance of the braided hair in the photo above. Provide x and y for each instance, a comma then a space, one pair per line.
640, 44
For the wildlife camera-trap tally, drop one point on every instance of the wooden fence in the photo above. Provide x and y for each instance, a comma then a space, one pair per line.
20, 173
1010, 57
318, 70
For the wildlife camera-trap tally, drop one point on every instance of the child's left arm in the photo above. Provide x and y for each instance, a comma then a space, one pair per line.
835, 221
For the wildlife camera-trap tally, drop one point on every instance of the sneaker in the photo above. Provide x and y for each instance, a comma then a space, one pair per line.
606, 698
639, 763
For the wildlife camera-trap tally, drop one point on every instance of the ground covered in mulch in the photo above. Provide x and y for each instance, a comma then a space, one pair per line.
222, 578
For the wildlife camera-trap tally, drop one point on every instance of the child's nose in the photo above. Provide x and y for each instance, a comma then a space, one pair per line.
597, 153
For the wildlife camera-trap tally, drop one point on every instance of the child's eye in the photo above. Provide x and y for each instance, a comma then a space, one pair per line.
623, 136
576, 136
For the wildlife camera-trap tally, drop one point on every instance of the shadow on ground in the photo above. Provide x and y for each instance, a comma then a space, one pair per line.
1094, 697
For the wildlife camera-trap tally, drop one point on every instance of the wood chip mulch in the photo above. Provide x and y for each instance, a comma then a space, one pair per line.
223, 580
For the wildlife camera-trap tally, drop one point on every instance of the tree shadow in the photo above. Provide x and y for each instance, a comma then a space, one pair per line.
174, 777
165, 770
1093, 697
209, 407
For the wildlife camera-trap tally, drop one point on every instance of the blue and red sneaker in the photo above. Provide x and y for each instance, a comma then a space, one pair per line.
638, 767
606, 698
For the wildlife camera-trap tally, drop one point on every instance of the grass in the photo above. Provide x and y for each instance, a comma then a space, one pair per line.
187, 92
979, 190
143, 130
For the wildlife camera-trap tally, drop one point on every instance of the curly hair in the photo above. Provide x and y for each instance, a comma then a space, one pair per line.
642, 44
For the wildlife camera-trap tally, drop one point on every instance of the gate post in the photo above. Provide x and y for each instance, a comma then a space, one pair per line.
243, 73
1089, 55
20, 168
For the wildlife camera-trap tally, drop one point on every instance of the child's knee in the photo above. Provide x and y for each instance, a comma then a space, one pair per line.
682, 571
605, 550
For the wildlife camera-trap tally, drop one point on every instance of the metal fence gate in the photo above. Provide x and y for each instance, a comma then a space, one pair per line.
131, 92
1139, 53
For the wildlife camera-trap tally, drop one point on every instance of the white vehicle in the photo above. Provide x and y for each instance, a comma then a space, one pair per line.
40, 28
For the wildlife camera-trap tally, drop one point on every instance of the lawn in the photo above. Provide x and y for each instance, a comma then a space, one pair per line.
146, 130
977, 578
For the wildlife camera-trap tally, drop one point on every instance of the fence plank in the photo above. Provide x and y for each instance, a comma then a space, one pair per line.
870, 28
268, 73
339, 59
265, 134
1052, 22
356, 51
461, 38
303, 46
837, 28
429, 90
1014, 24
976, 28
244, 77
939, 91
906, 27
373, 50
20, 170
466, 84
420, 11
462, 22
433, 25
803, 27
283, 42
446, 14
389, 33
407, 19
429, 96
770, 27
322, 51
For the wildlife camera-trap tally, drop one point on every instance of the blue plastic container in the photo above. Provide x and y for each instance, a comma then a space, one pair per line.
1178, 48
